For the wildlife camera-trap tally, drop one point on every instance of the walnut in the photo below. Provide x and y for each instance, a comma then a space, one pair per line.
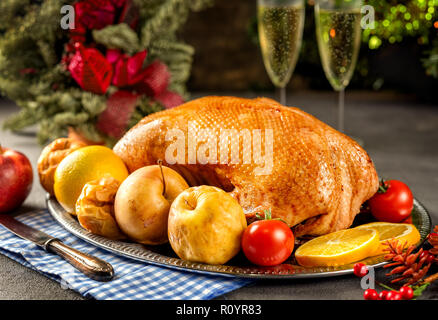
51, 156
95, 208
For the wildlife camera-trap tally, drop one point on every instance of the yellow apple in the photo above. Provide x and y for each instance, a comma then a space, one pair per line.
142, 203
205, 225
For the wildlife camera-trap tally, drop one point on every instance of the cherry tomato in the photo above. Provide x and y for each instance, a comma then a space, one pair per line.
407, 292
267, 242
370, 294
393, 202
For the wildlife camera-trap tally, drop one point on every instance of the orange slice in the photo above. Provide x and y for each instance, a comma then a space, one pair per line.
403, 232
338, 248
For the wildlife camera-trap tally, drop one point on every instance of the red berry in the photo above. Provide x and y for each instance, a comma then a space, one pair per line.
424, 254
370, 294
383, 294
360, 270
407, 292
397, 296
394, 295
430, 258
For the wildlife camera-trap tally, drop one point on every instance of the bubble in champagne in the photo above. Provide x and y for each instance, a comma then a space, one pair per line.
280, 33
338, 35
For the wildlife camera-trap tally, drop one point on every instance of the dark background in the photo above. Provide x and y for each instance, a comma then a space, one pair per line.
228, 57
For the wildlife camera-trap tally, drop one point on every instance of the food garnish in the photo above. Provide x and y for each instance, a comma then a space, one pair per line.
84, 165
95, 208
143, 202
338, 248
51, 156
393, 201
206, 225
401, 231
408, 266
370, 294
360, 269
267, 242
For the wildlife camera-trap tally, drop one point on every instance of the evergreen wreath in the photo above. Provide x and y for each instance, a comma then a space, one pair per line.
120, 62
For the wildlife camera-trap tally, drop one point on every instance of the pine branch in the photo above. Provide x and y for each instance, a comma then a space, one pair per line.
169, 16
119, 36
31, 74
9, 10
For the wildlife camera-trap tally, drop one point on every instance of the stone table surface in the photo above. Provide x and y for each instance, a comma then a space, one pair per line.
400, 134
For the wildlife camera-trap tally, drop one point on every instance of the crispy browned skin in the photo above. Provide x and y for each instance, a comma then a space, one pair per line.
319, 177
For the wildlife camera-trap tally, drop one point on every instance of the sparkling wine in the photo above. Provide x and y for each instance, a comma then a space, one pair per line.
338, 33
280, 33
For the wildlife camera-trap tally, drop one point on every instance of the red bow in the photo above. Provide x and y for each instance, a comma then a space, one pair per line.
129, 73
134, 80
152, 80
93, 72
90, 69
97, 14
94, 14
119, 108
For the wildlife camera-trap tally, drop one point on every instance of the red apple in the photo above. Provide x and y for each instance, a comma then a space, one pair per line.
16, 179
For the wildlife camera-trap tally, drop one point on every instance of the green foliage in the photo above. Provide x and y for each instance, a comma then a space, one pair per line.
396, 20
119, 36
418, 290
31, 74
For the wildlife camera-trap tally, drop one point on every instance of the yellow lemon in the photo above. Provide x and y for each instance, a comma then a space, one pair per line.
338, 248
403, 232
84, 165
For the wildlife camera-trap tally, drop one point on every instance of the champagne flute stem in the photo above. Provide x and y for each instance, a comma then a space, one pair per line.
281, 94
341, 110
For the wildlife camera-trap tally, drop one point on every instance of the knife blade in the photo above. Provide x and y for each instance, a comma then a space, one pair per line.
91, 266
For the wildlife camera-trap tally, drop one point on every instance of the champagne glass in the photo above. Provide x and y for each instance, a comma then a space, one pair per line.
338, 33
280, 24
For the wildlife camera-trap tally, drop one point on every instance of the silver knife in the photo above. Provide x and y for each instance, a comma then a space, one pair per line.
92, 267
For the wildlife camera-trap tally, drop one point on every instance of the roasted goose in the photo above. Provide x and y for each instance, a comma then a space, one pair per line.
310, 175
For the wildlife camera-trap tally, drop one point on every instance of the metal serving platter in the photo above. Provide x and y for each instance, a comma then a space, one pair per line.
238, 267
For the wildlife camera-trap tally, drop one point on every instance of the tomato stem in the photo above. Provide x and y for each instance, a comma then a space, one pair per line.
267, 215
383, 186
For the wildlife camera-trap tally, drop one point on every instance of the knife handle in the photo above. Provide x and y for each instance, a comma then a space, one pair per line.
92, 267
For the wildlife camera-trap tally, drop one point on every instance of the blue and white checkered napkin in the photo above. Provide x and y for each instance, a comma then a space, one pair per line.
133, 279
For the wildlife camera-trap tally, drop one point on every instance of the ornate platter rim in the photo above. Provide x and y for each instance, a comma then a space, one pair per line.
420, 215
